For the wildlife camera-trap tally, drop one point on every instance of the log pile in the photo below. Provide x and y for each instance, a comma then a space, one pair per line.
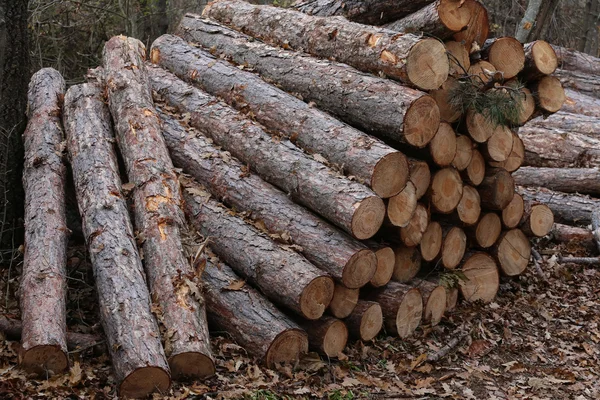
329, 201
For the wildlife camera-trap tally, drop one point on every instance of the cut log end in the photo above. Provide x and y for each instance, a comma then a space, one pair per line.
144, 381
407, 263
512, 214
427, 65
513, 252
368, 217
488, 230
431, 243
335, 338
421, 121
435, 307
343, 302
360, 269
499, 145
287, 347
454, 247
482, 278
448, 113
451, 298
464, 152
469, 207
459, 59
402, 206
482, 69
446, 190
420, 176
550, 94
480, 128
191, 366
475, 172
527, 106
507, 55
497, 190
412, 234
443, 145
453, 15
540, 220
544, 57
477, 29
409, 313
390, 175
386, 260
44, 358
516, 157
371, 322
316, 297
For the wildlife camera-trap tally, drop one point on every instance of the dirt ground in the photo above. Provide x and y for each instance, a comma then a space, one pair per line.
538, 340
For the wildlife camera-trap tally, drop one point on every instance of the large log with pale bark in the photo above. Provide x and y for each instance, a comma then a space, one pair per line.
132, 334
581, 82
572, 209
579, 103
379, 166
563, 122
344, 258
159, 217
280, 273
349, 205
251, 320
373, 104
411, 59
570, 180
43, 286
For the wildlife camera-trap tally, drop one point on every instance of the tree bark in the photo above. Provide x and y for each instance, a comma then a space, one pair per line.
569, 209
402, 308
573, 236
565, 123
371, 12
483, 280
159, 217
281, 274
349, 205
569, 180
343, 302
376, 164
228, 180
544, 19
506, 54
540, 60
252, 321
373, 104
43, 286
583, 83
529, 19
366, 320
579, 103
327, 335
132, 334
401, 57
573, 60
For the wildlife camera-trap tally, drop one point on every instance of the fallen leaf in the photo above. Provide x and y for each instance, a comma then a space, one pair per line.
235, 285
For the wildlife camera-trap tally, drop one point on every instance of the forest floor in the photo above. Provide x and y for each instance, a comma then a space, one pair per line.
540, 339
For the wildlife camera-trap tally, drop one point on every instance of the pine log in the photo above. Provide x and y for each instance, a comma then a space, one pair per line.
482, 71
343, 302
446, 190
448, 112
499, 146
569, 180
506, 54
540, 60
469, 207
327, 335
464, 152
401, 207
386, 260
366, 320
569, 209
574, 236
454, 245
252, 321
487, 230
420, 176
474, 174
282, 275
132, 334
579, 103
480, 127
548, 93
349, 205
572, 60
371, 12
483, 280
478, 28
537, 219
583, 83
43, 286
431, 243
379, 166
440, 19
512, 251
497, 189
373, 104
515, 159
443, 145
408, 263
563, 122
412, 234
344, 258
376, 50
513, 213
434, 302
402, 308
159, 217
459, 59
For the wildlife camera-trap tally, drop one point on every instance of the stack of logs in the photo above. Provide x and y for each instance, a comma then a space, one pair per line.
334, 199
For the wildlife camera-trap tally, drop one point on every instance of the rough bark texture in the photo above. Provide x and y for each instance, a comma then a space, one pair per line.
570, 180
584, 83
376, 164
574, 236
251, 320
578, 71
373, 104
281, 274
131, 331
506, 54
540, 60
43, 281
402, 308
228, 180
327, 335
366, 320
565, 123
370, 49
528, 21
579, 103
157, 207
372, 12
349, 205
569, 209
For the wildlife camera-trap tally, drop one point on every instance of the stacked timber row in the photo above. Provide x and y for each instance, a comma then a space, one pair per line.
352, 180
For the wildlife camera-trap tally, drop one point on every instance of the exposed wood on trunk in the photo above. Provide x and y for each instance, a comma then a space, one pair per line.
469, 207
464, 152
440, 19
512, 251
269, 267
446, 190
513, 213
578, 103
569, 209
434, 302
382, 168
372, 12
537, 219
548, 93
458, 55
401, 207
443, 145
132, 334
478, 28
327, 335
366, 320
386, 260
43, 286
412, 234
343, 302
228, 180
349, 205
408, 263
402, 308
251, 320
540, 60
475, 171
420, 176
373, 104
431, 243
515, 159
497, 189
506, 54
483, 280
570, 180
487, 230
157, 206
448, 113
401, 57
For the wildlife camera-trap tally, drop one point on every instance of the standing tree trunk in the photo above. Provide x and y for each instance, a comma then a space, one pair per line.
528, 21
544, 19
